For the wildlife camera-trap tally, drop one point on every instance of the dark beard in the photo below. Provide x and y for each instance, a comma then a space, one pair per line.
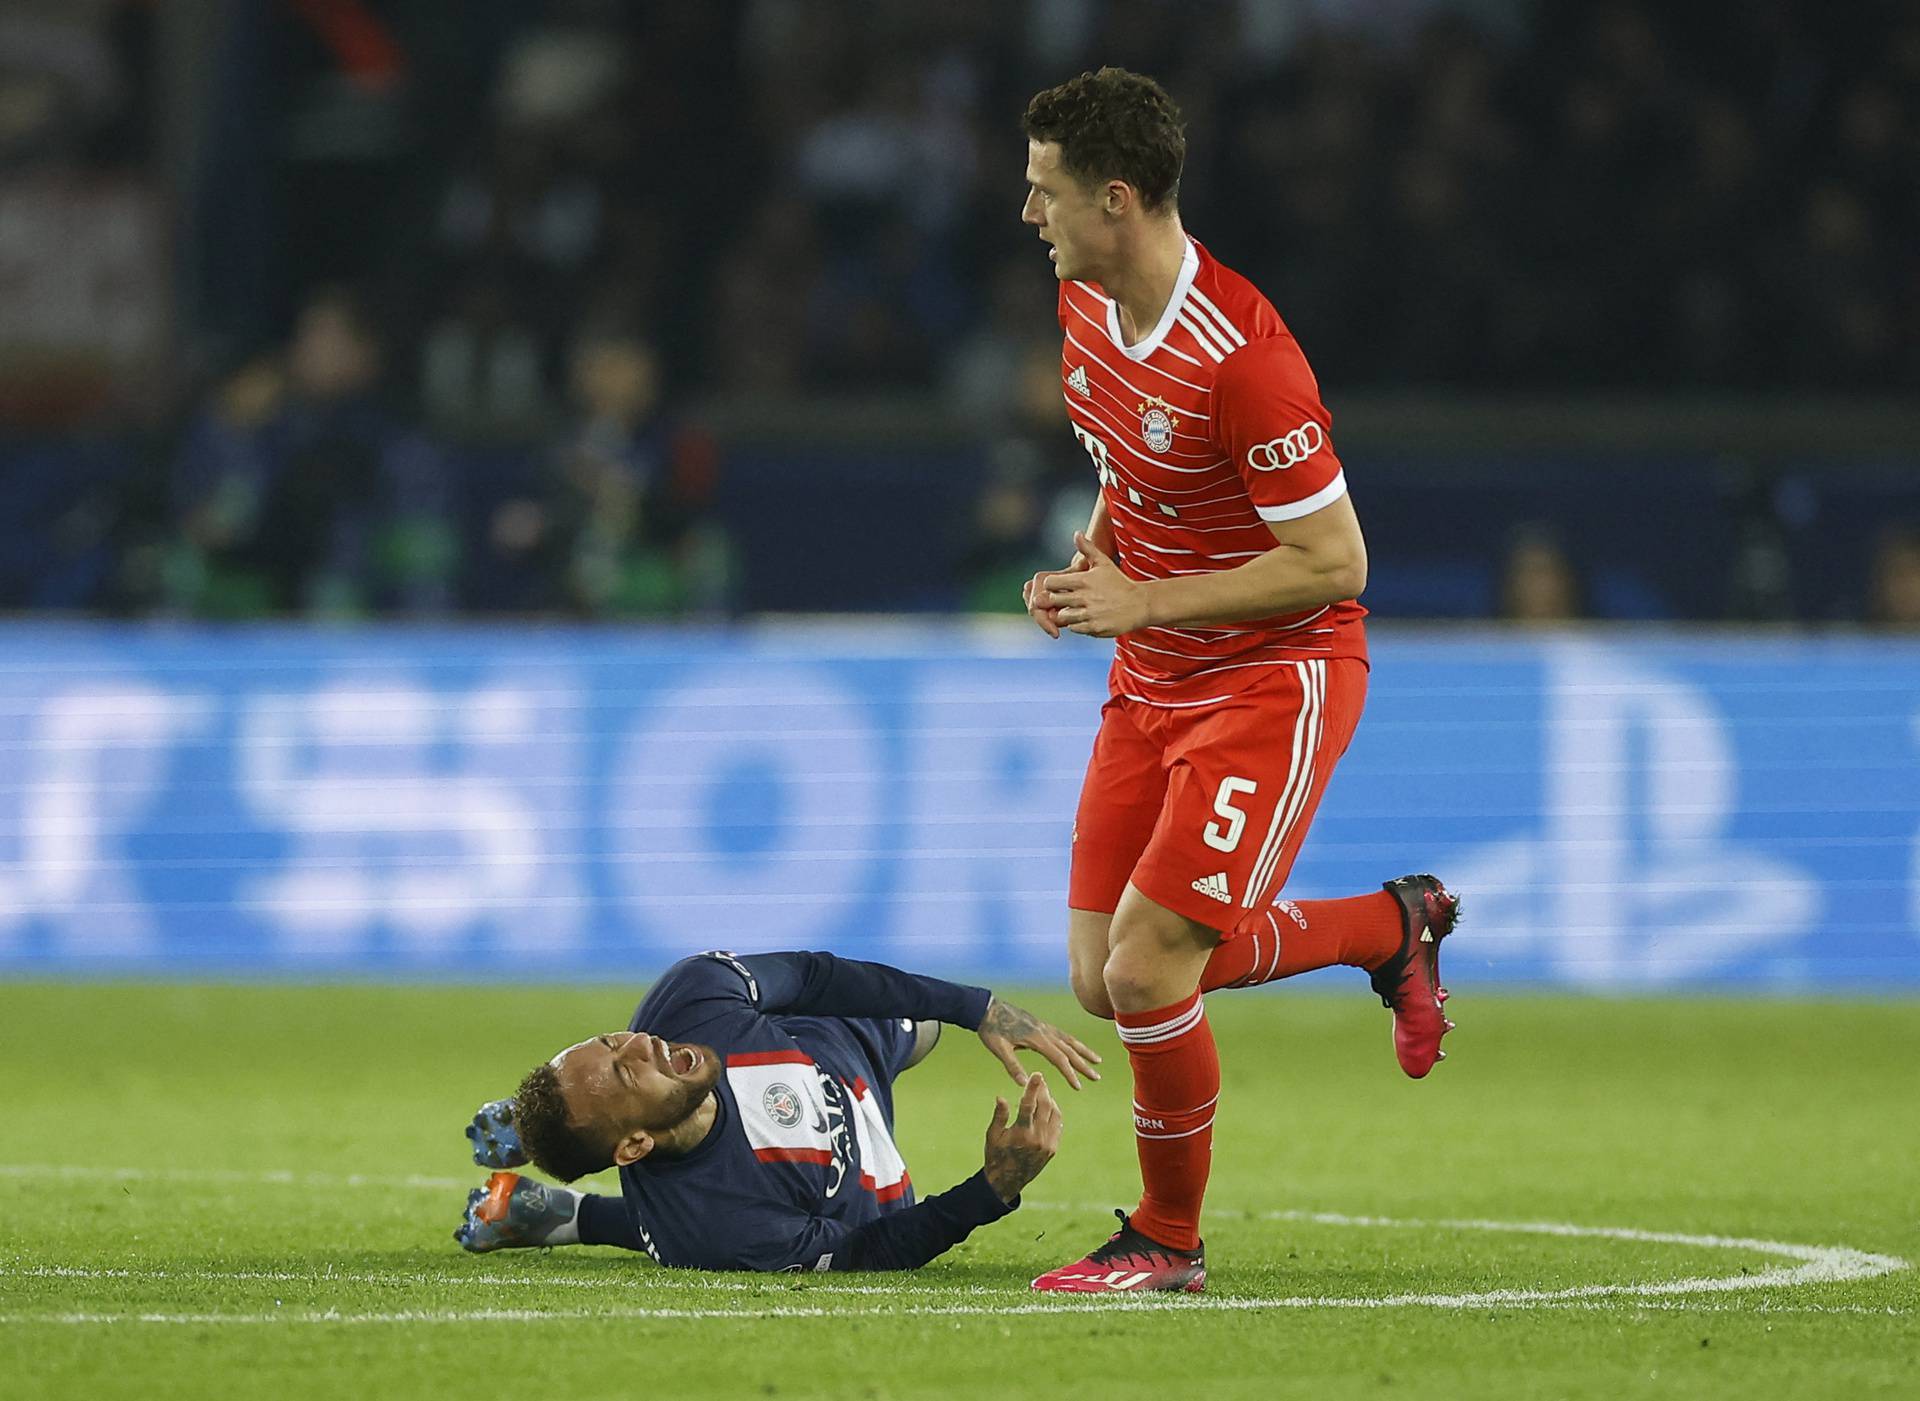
687, 1097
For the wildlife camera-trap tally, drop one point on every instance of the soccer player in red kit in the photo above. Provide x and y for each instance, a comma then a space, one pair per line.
1225, 556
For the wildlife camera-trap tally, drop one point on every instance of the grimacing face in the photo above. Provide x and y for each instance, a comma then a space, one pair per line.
626, 1082
1067, 214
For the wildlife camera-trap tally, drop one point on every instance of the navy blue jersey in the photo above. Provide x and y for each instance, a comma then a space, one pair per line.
800, 1170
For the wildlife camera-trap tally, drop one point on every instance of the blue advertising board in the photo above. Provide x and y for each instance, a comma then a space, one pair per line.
1618, 809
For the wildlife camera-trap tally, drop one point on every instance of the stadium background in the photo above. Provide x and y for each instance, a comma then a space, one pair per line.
538, 495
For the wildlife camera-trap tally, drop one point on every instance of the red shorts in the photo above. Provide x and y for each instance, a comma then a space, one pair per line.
1204, 810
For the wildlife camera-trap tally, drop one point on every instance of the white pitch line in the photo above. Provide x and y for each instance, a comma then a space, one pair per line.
1105, 1306
1745, 1310
1819, 1264
651, 1279
75, 1172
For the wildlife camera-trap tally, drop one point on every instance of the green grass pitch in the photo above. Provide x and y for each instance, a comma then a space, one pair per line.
250, 1191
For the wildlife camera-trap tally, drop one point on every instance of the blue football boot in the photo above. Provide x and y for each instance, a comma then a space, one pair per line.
512, 1212
496, 1143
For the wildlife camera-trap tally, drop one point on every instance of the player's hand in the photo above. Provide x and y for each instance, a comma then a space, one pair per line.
1007, 1028
1017, 1151
1098, 601
1033, 593
496, 1143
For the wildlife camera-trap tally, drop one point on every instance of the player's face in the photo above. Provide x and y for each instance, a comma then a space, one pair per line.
1067, 214
625, 1080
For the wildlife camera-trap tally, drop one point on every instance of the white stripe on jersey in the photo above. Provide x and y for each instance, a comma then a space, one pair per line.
1240, 496
1307, 505
1119, 440
1145, 365
1171, 573
1216, 317
1126, 410
1208, 339
1184, 524
1208, 460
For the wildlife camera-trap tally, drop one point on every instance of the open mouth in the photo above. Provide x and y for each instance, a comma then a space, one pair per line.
684, 1060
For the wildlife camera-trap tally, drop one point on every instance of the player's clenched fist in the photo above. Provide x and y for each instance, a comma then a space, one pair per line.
1096, 599
1017, 1151
1039, 604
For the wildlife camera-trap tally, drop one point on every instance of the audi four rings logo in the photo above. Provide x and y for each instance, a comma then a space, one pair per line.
1288, 450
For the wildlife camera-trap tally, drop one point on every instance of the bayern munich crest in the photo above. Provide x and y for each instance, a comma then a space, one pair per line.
1157, 423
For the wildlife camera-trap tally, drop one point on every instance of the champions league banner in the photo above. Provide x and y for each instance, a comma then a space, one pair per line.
1689, 811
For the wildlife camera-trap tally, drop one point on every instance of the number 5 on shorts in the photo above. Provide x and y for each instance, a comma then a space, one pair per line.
1228, 837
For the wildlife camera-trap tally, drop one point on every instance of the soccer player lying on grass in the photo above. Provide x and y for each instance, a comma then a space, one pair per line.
749, 1108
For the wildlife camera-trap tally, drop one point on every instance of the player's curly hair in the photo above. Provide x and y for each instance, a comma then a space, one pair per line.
1114, 125
547, 1130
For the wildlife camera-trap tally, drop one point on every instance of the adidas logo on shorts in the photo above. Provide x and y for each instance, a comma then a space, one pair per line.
1215, 887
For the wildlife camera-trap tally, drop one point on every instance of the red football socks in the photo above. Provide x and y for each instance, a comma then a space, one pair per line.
1176, 1084
1297, 936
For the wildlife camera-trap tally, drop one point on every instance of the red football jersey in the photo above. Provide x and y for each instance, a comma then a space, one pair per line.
1204, 430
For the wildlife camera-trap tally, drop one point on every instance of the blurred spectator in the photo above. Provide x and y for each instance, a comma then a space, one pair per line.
986, 380
1434, 191
800, 197
1760, 588
1539, 585
68, 92
482, 370
297, 491
618, 523
1895, 599
1039, 489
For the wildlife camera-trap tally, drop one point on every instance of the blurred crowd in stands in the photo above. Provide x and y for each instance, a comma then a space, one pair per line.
450, 295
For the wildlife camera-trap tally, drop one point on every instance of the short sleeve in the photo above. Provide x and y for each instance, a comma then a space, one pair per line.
1272, 425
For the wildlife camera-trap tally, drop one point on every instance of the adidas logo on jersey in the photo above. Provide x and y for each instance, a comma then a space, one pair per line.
1077, 382
1215, 887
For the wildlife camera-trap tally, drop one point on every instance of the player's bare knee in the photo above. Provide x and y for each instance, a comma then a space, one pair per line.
1090, 987
1129, 981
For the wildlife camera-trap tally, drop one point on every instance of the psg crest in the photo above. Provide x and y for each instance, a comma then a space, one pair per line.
1157, 423
782, 1105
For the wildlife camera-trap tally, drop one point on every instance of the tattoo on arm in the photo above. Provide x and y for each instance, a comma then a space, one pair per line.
1011, 1166
1002, 1019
